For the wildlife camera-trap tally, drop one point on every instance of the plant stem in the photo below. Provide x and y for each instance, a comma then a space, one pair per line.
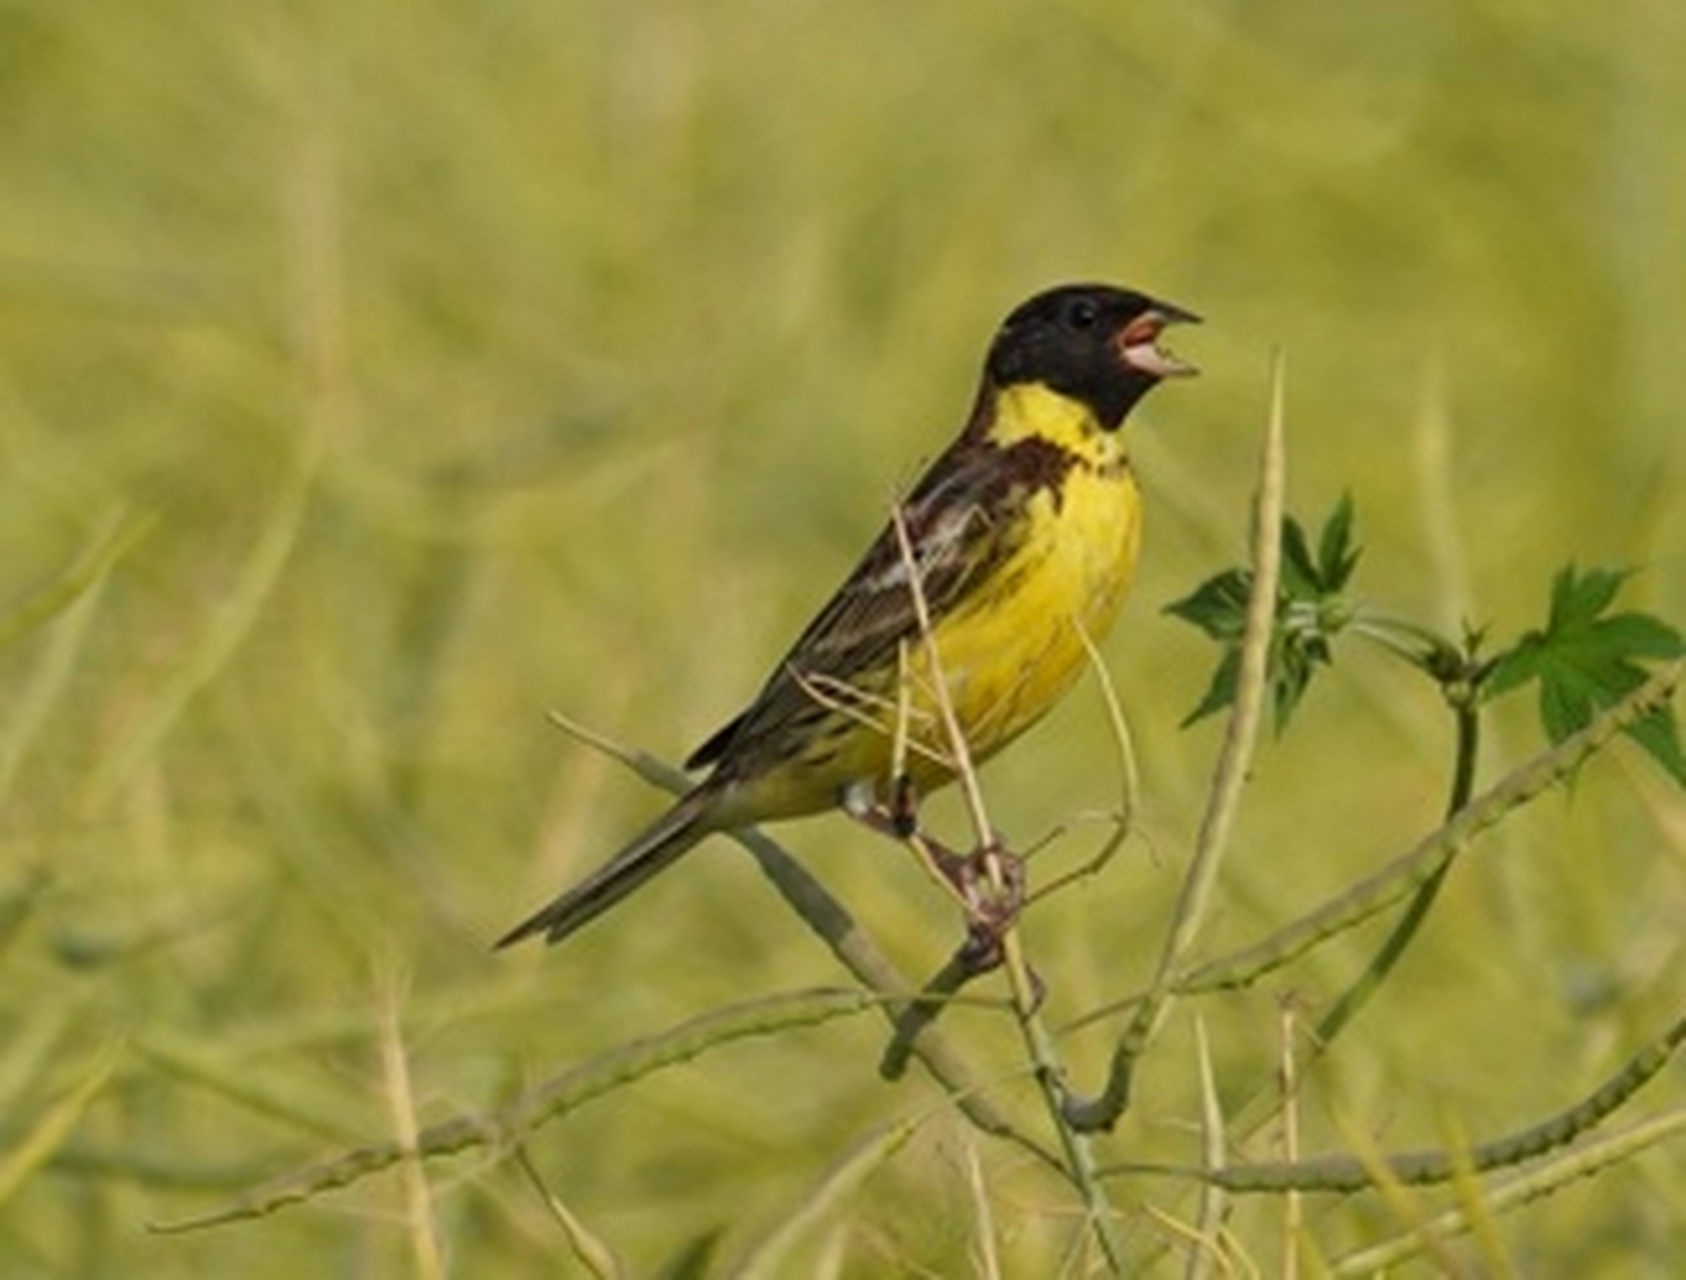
1102, 1112
1050, 1074
1355, 997
1344, 1175
1414, 868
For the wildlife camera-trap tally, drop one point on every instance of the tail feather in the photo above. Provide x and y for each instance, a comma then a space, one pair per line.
672, 835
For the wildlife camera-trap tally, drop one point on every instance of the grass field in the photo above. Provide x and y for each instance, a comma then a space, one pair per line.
376, 378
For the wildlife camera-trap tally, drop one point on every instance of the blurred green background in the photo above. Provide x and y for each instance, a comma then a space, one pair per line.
451, 363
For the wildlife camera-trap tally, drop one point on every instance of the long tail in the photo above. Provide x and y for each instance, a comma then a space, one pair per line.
672, 835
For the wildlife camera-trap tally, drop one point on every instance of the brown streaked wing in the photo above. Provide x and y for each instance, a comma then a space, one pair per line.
960, 520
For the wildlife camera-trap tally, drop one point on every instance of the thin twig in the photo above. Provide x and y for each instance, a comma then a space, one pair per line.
1129, 781
1190, 915
1584, 1162
1214, 1203
1396, 880
852, 945
510, 1125
936, 994
1050, 1074
1466, 751
1344, 1175
914, 1021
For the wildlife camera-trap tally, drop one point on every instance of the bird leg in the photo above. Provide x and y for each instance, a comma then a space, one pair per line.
898, 818
990, 896
904, 806
989, 884
994, 895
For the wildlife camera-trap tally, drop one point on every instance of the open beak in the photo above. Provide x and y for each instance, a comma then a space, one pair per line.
1138, 343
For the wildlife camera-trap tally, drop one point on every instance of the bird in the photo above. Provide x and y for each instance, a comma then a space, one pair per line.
1022, 536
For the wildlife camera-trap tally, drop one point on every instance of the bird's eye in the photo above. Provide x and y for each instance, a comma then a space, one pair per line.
1083, 314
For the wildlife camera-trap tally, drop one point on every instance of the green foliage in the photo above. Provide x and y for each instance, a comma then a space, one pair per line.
1584, 659
1312, 608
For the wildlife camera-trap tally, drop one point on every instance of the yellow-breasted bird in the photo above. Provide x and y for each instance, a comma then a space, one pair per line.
1024, 534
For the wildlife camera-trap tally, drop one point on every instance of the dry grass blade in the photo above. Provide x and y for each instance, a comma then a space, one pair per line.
234, 1076
966, 773
115, 541
1401, 1200
769, 1257
215, 647
53, 1127
1207, 1255
986, 1254
418, 1196
71, 599
592, 1253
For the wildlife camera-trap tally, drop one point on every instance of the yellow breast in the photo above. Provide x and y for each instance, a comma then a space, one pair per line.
1012, 651
1009, 655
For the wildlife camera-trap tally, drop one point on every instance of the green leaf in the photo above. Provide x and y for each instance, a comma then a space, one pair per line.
1576, 600
1292, 661
1310, 611
1217, 606
1221, 692
1640, 635
1336, 556
1659, 735
1300, 578
1585, 662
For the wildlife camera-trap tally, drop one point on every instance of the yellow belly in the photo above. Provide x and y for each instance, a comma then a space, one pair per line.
1009, 655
